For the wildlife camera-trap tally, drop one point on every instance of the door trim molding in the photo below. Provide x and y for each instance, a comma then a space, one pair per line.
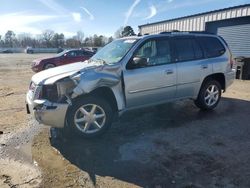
150, 89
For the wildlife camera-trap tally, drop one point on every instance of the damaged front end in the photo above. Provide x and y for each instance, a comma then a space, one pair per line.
49, 103
50, 100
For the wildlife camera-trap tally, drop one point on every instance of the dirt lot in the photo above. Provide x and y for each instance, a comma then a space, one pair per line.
174, 145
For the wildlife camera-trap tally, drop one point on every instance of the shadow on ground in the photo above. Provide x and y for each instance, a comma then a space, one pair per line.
173, 145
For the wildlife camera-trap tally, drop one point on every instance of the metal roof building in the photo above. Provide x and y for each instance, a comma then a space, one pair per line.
232, 23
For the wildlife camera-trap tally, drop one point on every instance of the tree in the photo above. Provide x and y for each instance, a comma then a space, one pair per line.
72, 43
118, 33
47, 36
58, 40
80, 36
88, 41
110, 39
1, 41
98, 40
25, 39
128, 31
10, 38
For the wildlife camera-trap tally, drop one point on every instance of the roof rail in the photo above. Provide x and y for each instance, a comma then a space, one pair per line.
186, 32
169, 32
201, 32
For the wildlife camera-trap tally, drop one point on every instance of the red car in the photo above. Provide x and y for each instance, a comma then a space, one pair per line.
63, 58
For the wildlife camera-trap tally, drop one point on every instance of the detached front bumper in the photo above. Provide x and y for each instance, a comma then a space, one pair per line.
46, 112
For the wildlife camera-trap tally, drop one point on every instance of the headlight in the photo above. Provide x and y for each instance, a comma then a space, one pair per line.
35, 63
38, 92
32, 86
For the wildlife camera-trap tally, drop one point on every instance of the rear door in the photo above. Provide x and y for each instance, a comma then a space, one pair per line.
155, 82
191, 66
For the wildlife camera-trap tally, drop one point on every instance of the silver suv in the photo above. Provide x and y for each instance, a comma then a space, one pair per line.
131, 73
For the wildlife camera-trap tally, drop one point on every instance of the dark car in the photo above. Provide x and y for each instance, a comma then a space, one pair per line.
63, 58
7, 51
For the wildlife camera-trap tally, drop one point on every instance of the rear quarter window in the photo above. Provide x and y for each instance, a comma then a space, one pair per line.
212, 46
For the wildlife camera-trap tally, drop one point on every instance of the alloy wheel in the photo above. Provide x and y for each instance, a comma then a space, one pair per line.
211, 95
89, 118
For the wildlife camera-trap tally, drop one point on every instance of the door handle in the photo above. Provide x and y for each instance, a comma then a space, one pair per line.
204, 66
169, 71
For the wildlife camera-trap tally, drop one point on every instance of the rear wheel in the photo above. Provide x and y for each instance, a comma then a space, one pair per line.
209, 95
90, 116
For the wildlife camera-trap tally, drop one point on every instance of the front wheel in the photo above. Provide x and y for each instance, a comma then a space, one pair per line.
90, 116
49, 66
209, 95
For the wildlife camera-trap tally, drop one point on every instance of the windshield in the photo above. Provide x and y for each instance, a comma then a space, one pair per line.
114, 51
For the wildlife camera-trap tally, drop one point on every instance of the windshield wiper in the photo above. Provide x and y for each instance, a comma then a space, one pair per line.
100, 60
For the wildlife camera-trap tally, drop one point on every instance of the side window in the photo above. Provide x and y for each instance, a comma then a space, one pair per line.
72, 54
79, 53
187, 49
86, 53
197, 50
212, 46
148, 50
157, 52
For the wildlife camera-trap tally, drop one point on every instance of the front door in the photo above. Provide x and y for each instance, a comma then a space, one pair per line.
155, 81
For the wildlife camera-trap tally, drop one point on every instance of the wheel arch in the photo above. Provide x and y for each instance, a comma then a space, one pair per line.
219, 77
108, 94
46, 63
104, 92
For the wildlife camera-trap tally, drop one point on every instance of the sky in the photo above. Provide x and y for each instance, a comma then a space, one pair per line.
102, 17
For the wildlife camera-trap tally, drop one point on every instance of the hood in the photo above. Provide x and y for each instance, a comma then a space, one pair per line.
44, 58
51, 75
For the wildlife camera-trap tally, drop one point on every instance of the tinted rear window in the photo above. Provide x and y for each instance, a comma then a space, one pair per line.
212, 46
187, 49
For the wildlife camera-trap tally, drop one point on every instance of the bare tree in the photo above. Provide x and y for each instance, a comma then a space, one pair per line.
80, 36
58, 40
47, 36
25, 39
72, 43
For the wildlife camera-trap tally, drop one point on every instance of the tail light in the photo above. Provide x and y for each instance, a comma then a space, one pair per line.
231, 61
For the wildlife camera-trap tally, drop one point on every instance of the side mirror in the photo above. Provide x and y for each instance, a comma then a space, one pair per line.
140, 61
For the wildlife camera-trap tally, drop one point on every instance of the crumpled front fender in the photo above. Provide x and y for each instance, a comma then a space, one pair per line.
93, 79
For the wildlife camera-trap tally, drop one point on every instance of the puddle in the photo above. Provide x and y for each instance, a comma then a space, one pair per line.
17, 165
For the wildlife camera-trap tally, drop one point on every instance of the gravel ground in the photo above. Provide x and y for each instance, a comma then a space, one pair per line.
172, 145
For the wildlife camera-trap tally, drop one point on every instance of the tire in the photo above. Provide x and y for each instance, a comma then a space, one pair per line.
82, 116
48, 66
209, 95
